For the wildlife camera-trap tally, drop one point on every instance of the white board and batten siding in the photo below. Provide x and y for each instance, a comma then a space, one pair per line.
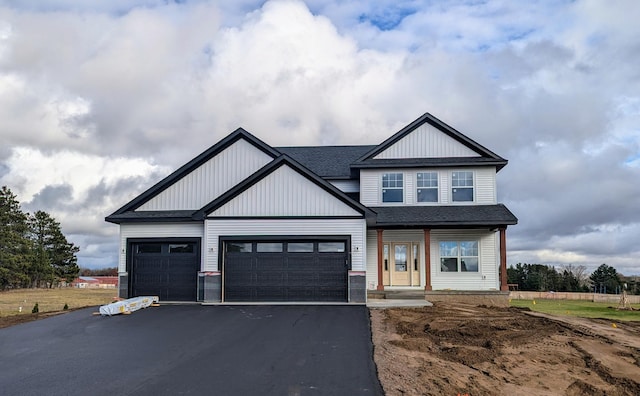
426, 141
485, 279
285, 192
215, 228
211, 179
484, 186
157, 230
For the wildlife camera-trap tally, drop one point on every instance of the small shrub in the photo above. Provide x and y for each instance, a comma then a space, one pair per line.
66, 307
35, 309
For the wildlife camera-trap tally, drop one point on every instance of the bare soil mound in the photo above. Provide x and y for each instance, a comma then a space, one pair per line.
461, 349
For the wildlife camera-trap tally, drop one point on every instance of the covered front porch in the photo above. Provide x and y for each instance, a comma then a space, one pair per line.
437, 249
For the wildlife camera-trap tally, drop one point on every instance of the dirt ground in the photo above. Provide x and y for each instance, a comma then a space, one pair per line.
452, 349
7, 321
461, 349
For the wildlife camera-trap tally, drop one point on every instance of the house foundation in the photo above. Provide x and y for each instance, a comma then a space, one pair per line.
489, 298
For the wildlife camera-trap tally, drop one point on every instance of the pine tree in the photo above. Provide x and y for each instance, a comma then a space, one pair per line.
15, 246
54, 257
605, 279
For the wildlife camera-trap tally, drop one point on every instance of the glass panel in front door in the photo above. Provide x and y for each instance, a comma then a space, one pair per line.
386, 278
401, 269
401, 258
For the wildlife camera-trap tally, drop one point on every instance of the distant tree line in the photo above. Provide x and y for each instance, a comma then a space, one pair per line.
99, 272
33, 250
539, 277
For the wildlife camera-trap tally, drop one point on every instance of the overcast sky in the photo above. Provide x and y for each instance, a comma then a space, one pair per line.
101, 99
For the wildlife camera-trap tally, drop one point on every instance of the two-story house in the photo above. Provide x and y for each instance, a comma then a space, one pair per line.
244, 221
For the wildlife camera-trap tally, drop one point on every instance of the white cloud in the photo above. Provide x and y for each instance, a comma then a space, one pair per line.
98, 101
79, 170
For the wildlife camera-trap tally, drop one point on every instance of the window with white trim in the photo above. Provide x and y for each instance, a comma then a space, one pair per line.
462, 186
427, 186
392, 187
459, 256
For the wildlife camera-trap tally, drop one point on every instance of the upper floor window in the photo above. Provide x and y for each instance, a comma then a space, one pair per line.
427, 186
462, 186
392, 187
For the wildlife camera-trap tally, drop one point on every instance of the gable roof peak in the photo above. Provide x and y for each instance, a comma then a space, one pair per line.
282, 160
442, 127
233, 137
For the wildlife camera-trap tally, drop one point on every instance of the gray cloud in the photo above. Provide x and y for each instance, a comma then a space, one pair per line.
133, 90
57, 197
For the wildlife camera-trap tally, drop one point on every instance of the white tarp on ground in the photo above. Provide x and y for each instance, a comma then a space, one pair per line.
128, 305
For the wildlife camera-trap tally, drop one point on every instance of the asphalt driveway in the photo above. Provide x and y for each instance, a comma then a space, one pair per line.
195, 350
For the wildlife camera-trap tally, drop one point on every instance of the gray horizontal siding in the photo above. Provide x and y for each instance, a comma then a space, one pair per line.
347, 186
484, 186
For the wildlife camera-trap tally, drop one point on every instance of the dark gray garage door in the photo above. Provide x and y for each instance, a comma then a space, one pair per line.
168, 270
290, 270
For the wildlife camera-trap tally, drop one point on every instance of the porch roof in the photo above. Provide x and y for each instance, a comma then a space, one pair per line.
458, 216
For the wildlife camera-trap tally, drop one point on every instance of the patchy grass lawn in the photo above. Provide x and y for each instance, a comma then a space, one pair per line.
51, 300
579, 308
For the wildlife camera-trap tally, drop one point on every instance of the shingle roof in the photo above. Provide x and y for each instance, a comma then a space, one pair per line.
428, 162
330, 162
444, 216
151, 216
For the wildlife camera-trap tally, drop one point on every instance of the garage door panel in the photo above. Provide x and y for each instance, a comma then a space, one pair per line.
332, 262
246, 280
168, 270
240, 295
268, 293
271, 278
303, 293
328, 278
270, 262
149, 264
302, 261
303, 275
302, 279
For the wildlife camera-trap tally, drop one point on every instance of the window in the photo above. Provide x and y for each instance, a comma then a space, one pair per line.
392, 187
462, 186
269, 247
181, 248
149, 248
459, 256
331, 247
386, 257
300, 247
239, 247
400, 257
427, 186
